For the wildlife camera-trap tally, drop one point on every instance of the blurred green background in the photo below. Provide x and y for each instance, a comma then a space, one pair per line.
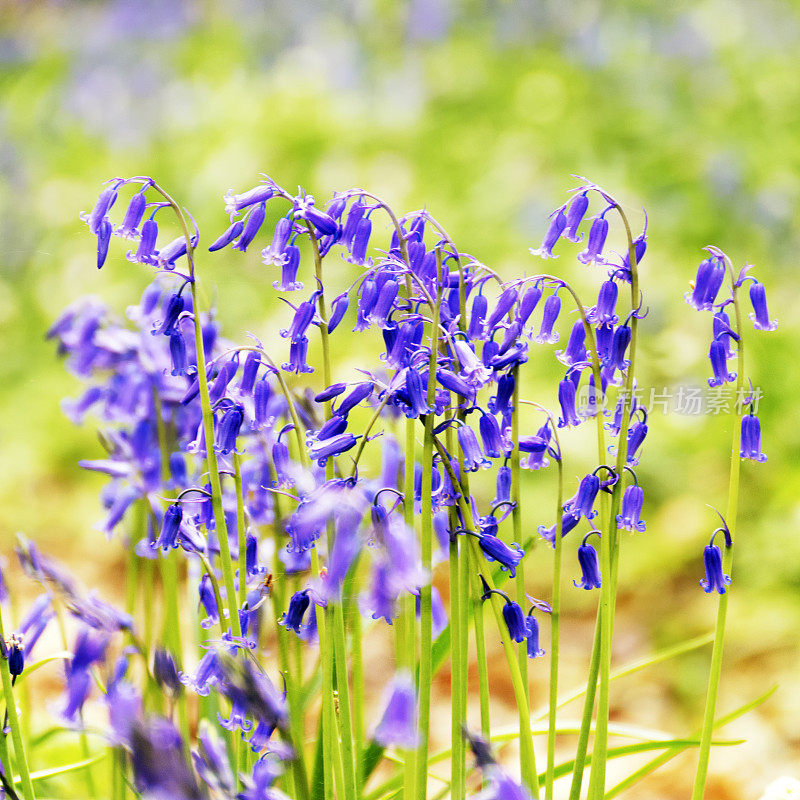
481, 112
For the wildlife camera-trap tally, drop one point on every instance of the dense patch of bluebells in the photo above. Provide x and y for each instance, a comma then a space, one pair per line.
305, 528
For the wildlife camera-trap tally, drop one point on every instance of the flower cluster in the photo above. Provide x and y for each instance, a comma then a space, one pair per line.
262, 506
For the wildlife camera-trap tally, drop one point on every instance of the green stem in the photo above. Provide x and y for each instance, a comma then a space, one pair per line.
715, 670
13, 721
241, 525
213, 470
555, 619
609, 551
358, 695
426, 542
405, 640
340, 725
527, 755
457, 608
586, 719
169, 576
483, 667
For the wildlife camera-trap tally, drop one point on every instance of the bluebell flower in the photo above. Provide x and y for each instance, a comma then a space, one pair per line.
597, 239
536, 447
478, 317
552, 307
528, 303
177, 352
398, 725
366, 300
146, 250
172, 251
14, 653
298, 355
510, 338
361, 392
639, 249
105, 201
513, 357
248, 687
249, 373
471, 450
508, 556
303, 317
760, 315
354, 217
515, 621
255, 219
707, 283
339, 306
133, 216
175, 306
380, 601
291, 263
502, 486
360, 241
619, 346
90, 647
384, 303
575, 214
293, 619
504, 304
235, 203
604, 312
439, 618
472, 368
257, 785
721, 329
415, 395
532, 644
558, 221
590, 568
224, 376
334, 390
211, 759
165, 671
159, 761
304, 208
499, 404
750, 446
636, 436
566, 399
227, 236
715, 579
632, 501
170, 527
575, 351
583, 501
275, 252
347, 544
454, 383
491, 436
228, 429
719, 364
568, 522
103, 241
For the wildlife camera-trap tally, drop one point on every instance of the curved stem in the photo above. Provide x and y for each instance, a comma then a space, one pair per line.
715, 669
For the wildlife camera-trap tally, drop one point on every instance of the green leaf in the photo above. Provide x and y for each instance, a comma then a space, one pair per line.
655, 763
635, 666
53, 772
